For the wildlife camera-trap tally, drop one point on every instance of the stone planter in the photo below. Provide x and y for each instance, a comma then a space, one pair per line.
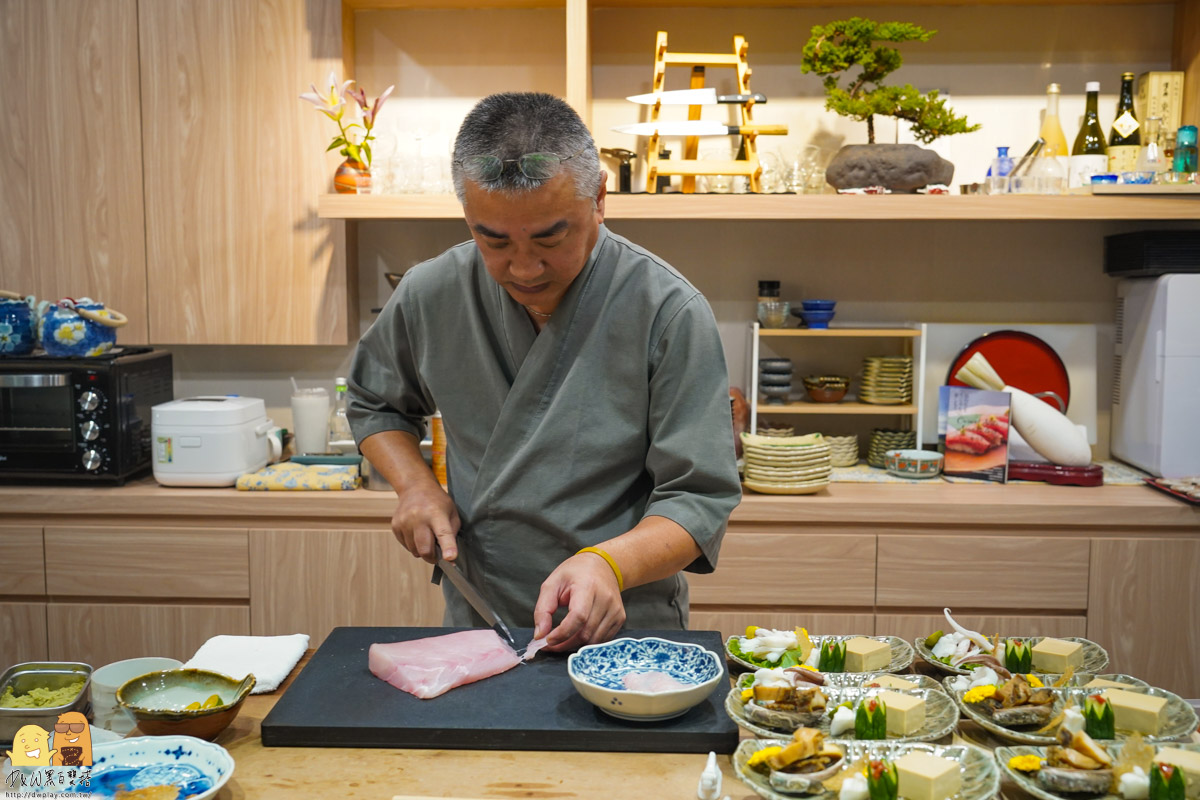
899, 167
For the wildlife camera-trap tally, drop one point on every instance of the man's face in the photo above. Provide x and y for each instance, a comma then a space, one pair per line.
534, 243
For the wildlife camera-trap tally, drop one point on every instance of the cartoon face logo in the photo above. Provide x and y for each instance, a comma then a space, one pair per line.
31, 747
72, 740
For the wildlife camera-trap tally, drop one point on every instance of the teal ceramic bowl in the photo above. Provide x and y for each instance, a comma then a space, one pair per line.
159, 700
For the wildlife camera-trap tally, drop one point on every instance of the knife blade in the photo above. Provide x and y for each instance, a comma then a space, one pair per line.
477, 601
694, 97
698, 128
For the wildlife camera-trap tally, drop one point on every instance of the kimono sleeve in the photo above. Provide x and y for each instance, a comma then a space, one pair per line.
387, 392
691, 457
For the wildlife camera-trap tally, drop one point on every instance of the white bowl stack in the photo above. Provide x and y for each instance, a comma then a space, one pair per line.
786, 464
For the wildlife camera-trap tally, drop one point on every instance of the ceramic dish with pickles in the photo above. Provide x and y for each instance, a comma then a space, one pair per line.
771, 703
1019, 710
838, 762
1081, 769
961, 651
768, 648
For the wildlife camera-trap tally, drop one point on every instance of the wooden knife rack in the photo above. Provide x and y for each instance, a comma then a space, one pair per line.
688, 165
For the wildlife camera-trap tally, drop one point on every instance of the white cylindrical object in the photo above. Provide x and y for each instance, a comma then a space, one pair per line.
310, 419
1048, 431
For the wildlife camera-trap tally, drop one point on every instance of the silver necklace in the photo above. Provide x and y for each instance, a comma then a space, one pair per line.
538, 313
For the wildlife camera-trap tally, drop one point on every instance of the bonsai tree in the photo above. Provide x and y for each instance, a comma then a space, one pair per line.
839, 46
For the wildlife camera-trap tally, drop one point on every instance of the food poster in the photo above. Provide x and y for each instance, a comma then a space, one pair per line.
973, 432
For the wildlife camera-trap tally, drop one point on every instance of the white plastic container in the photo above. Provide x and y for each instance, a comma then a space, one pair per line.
211, 440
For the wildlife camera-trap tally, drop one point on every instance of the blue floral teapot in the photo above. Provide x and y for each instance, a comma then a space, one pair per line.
80, 327
18, 323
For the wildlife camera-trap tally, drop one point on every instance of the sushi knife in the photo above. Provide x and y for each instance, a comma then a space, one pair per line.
698, 128
476, 600
694, 97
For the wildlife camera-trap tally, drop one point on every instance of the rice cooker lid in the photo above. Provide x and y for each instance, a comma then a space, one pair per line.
210, 410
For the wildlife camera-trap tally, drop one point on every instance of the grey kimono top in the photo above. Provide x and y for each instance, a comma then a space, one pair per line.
618, 409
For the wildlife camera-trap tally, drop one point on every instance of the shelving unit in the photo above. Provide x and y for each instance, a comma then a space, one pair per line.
914, 345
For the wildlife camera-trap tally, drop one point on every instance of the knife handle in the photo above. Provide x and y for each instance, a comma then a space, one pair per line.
761, 130
741, 98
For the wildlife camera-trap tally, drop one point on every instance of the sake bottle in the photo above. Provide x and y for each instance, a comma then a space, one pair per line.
1126, 135
1089, 156
1052, 132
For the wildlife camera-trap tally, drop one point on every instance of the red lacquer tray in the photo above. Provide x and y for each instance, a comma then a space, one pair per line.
1021, 360
1157, 483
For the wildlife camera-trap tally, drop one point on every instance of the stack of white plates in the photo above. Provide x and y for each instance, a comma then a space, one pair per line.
786, 464
843, 450
887, 380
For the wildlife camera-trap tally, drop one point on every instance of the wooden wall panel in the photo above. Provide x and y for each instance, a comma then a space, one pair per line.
85, 156
22, 568
1009, 572
16, 206
314, 581
1144, 608
22, 633
1186, 56
910, 626
235, 163
731, 623
99, 634
788, 569
164, 562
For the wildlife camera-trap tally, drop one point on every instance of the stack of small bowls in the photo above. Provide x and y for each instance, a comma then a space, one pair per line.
815, 313
775, 429
884, 439
786, 464
887, 380
775, 379
826, 388
843, 450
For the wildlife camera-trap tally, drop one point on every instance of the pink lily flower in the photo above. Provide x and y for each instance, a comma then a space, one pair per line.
370, 114
359, 96
332, 103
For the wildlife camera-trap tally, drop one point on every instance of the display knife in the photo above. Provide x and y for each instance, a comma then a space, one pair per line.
699, 128
472, 595
694, 97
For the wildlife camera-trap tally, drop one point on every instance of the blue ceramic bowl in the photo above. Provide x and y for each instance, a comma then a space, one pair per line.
817, 305
816, 319
600, 672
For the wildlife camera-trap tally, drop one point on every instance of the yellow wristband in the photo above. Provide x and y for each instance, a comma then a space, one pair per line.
611, 562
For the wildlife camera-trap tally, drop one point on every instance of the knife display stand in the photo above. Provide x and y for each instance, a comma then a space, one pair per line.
689, 165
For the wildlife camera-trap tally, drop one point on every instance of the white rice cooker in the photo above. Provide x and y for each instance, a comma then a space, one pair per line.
211, 440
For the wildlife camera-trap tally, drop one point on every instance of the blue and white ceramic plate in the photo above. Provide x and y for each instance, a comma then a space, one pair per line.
599, 673
198, 767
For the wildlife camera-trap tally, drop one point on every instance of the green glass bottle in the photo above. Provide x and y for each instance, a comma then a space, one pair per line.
1089, 156
1126, 135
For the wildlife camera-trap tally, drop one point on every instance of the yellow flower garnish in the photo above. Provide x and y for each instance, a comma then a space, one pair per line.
1028, 763
750, 629
811, 669
1034, 681
762, 755
979, 693
747, 694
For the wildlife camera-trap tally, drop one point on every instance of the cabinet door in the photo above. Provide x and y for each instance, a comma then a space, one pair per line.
1144, 608
235, 162
314, 581
22, 568
22, 633
100, 633
71, 206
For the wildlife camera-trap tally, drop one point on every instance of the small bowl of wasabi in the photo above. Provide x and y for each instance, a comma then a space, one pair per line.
36, 692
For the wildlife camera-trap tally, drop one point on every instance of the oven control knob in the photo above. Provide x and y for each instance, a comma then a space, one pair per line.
89, 401
90, 430
91, 460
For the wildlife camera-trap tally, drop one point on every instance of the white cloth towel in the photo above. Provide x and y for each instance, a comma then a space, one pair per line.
269, 658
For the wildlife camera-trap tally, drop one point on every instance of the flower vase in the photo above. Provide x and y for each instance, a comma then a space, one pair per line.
352, 177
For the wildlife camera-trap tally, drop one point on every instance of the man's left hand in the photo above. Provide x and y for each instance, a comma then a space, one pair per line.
586, 585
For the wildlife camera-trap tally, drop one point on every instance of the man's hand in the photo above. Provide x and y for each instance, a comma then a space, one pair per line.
425, 514
586, 585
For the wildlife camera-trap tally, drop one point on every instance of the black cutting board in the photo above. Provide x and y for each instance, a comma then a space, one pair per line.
336, 702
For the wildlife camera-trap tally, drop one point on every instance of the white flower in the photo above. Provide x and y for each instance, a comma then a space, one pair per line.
69, 332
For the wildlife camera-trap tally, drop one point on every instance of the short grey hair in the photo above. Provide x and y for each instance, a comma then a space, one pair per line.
510, 124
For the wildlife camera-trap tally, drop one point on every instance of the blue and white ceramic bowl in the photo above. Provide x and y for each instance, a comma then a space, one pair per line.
599, 672
197, 767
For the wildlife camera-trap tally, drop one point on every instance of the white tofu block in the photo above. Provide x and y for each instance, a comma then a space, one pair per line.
1101, 683
1188, 761
890, 682
925, 777
1055, 655
866, 655
905, 712
1136, 712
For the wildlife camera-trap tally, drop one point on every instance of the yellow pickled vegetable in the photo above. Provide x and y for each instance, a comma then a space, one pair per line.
1028, 763
762, 755
192, 706
213, 702
979, 693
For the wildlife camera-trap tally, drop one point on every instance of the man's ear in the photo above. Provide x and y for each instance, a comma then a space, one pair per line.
600, 196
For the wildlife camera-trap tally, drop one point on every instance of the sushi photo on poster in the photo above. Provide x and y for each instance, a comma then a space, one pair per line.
973, 432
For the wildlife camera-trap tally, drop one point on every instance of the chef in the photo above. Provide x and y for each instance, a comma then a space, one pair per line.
582, 387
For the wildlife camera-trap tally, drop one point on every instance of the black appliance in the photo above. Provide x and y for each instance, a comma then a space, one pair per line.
80, 420
1147, 254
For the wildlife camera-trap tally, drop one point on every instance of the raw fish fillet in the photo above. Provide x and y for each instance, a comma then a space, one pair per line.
428, 667
534, 646
652, 682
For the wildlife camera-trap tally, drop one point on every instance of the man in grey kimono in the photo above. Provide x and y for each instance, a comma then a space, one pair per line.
582, 387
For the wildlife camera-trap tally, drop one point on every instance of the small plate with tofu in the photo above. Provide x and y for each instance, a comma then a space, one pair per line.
1058, 783
911, 715
1047, 654
924, 771
829, 653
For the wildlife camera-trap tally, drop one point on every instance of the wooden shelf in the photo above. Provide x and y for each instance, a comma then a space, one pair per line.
804, 207
860, 333
357, 5
808, 407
